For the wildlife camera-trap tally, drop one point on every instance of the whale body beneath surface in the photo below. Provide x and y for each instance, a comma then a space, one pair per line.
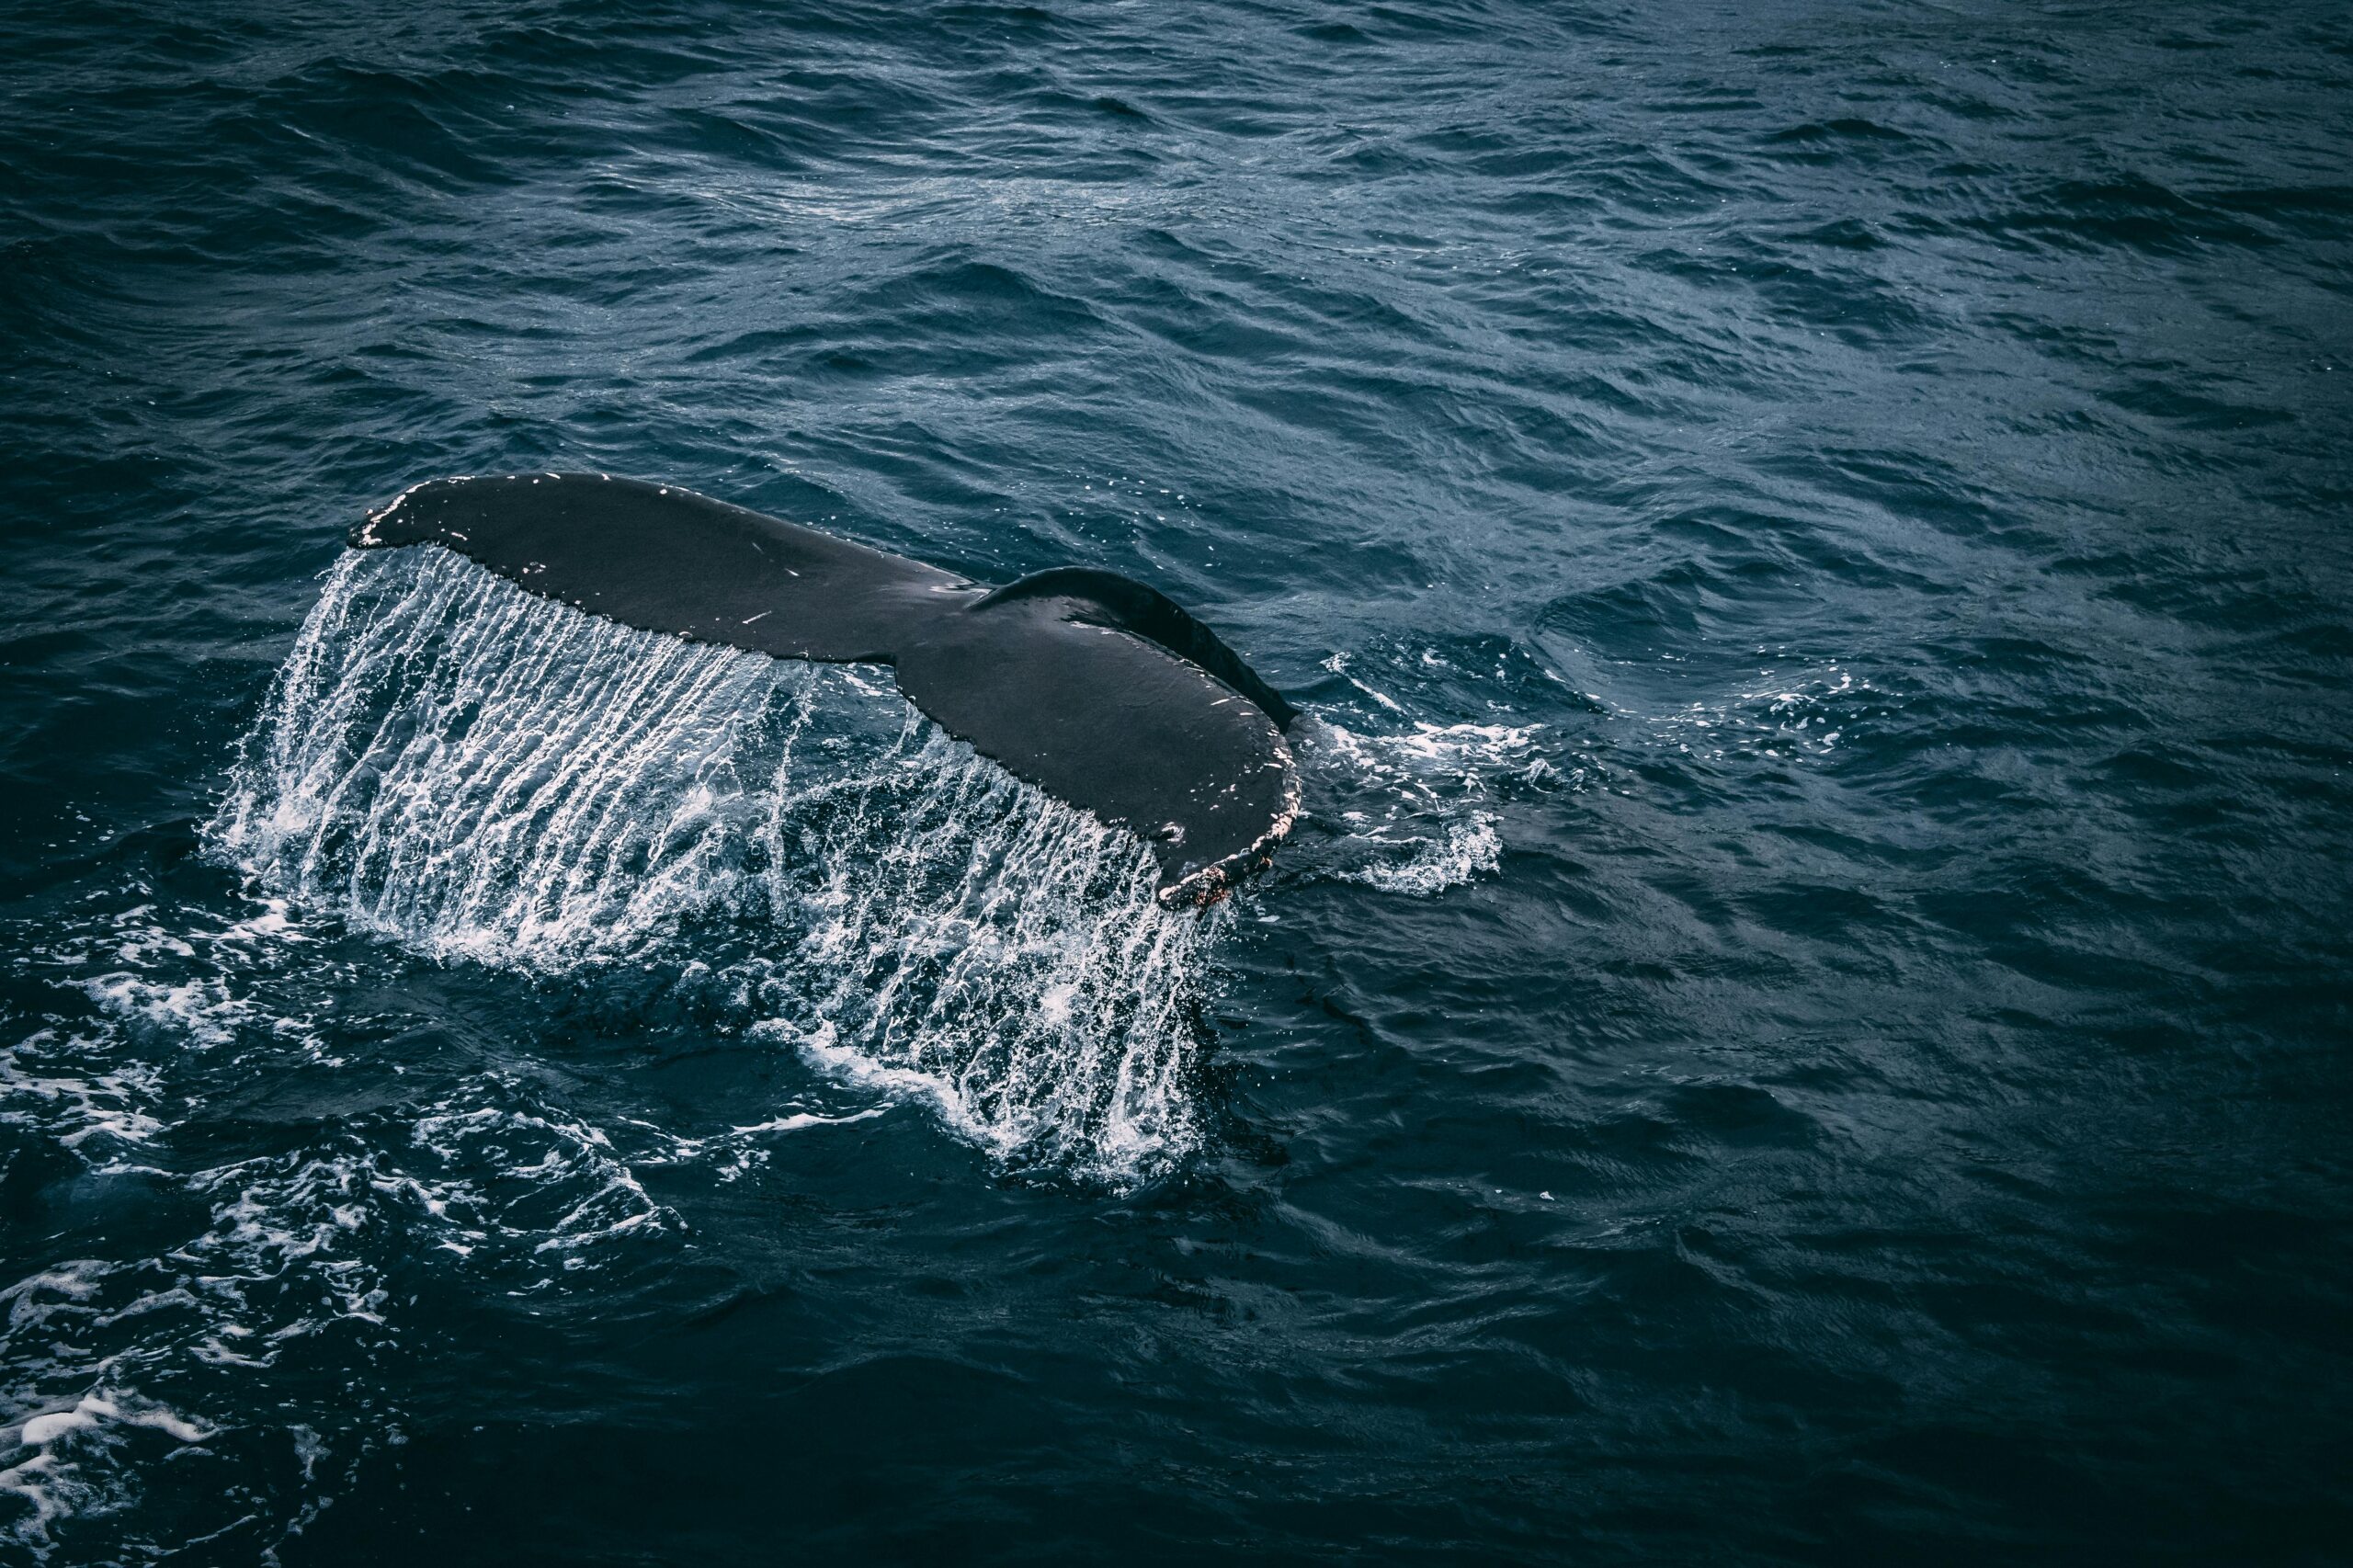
1097, 690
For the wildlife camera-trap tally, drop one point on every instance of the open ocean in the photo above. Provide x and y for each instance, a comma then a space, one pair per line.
1806, 1019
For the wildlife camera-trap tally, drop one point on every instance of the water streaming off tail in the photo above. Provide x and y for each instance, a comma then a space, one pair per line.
482, 775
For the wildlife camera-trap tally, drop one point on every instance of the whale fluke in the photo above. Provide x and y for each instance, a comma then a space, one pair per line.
1096, 688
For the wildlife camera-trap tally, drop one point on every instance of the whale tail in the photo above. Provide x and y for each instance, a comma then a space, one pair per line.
1095, 687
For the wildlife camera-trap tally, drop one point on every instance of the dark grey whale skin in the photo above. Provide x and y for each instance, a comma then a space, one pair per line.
1093, 687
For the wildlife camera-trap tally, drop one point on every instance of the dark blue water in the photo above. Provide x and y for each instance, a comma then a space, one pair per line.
1807, 1018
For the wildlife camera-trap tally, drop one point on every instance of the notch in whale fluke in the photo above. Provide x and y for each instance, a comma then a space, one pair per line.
1097, 690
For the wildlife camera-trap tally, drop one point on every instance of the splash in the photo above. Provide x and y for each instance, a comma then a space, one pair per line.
485, 775
482, 775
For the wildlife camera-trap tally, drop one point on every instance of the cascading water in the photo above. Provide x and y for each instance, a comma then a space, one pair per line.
483, 775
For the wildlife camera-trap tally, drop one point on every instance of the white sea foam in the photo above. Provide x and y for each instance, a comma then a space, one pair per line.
485, 1179
70, 1421
1786, 716
1410, 812
483, 775
80, 1101
1431, 865
62, 1460
295, 1245
198, 1012
1425, 756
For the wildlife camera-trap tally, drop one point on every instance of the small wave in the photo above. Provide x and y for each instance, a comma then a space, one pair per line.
485, 775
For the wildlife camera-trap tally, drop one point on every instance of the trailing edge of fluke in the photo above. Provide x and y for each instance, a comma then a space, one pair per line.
1096, 688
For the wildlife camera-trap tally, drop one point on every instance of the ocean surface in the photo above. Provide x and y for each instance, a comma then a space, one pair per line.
1806, 1019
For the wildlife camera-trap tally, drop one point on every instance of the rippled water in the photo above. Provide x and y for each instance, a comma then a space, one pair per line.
1804, 1020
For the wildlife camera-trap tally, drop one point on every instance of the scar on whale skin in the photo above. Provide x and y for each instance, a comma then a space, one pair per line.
1097, 690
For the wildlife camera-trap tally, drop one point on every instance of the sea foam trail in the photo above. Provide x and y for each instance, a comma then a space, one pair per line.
483, 775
